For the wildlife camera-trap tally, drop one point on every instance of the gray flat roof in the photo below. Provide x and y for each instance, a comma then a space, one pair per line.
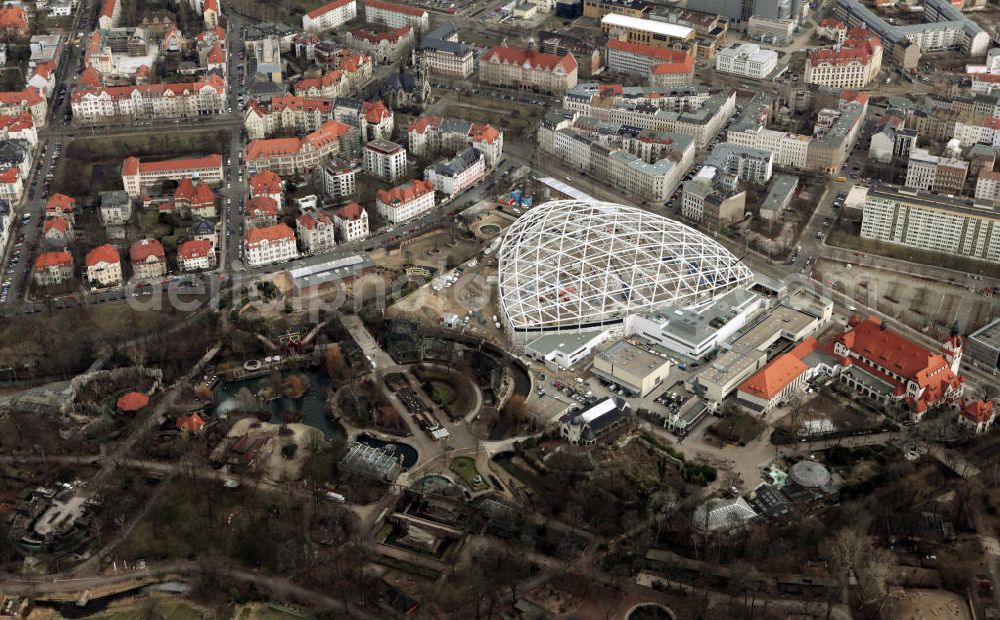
988, 334
631, 358
695, 325
549, 343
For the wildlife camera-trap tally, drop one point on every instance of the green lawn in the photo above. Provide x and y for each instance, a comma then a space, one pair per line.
465, 467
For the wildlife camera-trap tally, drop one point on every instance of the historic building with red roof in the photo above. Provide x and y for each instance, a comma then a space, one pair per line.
137, 174
316, 231
14, 21
104, 266
196, 255
270, 245
405, 201
295, 155
976, 415
195, 199
150, 101
261, 211
429, 135
29, 100
58, 232
52, 268
524, 68
148, 259
352, 222
392, 15
61, 205
267, 183
384, 48
674, 67
883, 365
854, 64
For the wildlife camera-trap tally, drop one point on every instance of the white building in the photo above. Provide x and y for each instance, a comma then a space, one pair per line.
747, 60
196, 255
461, 172
137, 174
405, 201
988, 186
921, 220
352, 222
385, 160
394, 15
104, 266
339, 179
853, 65
270, 245
317, 232
330, 15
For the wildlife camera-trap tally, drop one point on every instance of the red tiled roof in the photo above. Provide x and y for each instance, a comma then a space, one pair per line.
375, 37
108, 8
132, 165
13, 18
27, 97
45, 69
197, 248
397, 8
673, 68
190, 422
403, 194
10, 175
262, 206
269, 234
196, 195
832, 22
870, 340
375, 111
212, 5
639, 49
131, 402
770, 380
102, 254
484, 133
857, 96
60, 202
265, 182
310, 220
142, 249
181, 89
979, 411
272, 147
322, 82
326, 8
216, 57
854, 49
57, 223
423, 122
350, 211
53, 259
536, 60
90, 78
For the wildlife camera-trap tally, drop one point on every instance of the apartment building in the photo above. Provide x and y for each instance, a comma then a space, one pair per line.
696, 111
104, 266
429, 135
707, 203
196, 255
945, 28
832, 29
352, 222
394, 15
348, 72
405, 201
747, 60
988, 186
137, 174
674, 67
339, 179
111, 12
922, 220
523, 68
120, 53
61, 205
194, 199
52, 268
441, 53
11, 185
330, 16
150, 101
855, 64
148, 259
261, 212
649, 32
316, 231
384, 48
293, 113
13, 103
14, 21
115, 208
981, 130
385, 160
269, 245
646, 164
941, 175
19, 127
287, 156
454, 176
266, 183
745, 163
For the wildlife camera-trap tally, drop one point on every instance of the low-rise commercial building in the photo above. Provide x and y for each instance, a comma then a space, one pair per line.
779, 196
631, 367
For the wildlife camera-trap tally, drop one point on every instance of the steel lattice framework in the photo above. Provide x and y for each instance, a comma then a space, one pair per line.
570, 264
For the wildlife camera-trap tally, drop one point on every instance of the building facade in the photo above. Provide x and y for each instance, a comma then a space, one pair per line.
523, 68
406, 201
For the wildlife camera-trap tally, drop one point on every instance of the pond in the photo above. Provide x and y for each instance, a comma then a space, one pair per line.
409, 453
489, 229
311, 404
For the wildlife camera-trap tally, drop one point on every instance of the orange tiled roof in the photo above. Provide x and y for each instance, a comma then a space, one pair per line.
376, 37
535, 60
197, 248
262, 206
326, 8
60, 202
396, 8
278, 232
403, 194
133, 401
143, 249
57, 223
102, 254
265, 182
350, 211
53, 259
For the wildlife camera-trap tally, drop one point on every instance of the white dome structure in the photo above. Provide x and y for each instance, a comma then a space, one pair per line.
569, 265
